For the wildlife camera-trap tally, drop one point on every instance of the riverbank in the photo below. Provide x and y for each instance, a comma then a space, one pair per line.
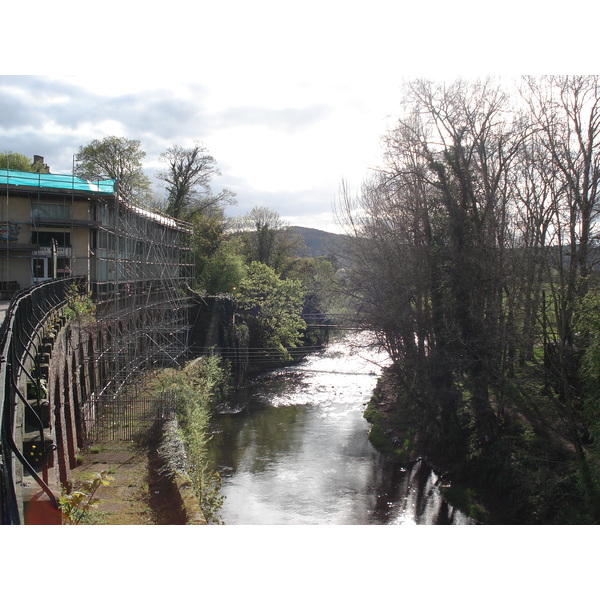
395, 432
526, 475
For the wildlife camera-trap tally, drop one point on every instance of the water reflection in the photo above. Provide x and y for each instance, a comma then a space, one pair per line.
299, 453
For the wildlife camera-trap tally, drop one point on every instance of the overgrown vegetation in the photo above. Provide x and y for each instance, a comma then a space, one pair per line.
274, 306
197, 389
79, 305
473, 254
76, 502
256, 260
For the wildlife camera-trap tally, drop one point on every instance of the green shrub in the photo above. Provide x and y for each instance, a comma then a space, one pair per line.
197, 388
75, 504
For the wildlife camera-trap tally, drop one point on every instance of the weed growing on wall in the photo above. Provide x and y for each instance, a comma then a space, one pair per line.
197, 388
78, 305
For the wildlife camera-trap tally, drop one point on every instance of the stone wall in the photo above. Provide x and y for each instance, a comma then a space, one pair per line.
62, 365
173, 466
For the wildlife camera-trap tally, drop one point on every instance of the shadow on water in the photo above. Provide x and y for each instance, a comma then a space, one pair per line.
411, 496
293, 448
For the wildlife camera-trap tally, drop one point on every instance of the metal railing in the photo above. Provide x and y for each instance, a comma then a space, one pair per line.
24, 322
127, 418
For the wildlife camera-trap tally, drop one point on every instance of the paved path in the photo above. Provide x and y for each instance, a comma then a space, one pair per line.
137, 496
124, 501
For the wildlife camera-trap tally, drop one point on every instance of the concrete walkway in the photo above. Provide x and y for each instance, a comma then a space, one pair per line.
136, 496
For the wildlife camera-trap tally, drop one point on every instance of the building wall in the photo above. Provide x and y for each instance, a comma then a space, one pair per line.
13, 208
16, 218
15, 214
136, 271
80, 241
15, 269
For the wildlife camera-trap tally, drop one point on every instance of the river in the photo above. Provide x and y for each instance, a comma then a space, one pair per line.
293, 449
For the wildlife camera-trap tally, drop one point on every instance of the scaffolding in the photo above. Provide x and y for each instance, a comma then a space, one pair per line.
59, 383
141, 273
137, 263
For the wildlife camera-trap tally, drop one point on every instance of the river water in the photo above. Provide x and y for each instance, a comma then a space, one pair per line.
293, 449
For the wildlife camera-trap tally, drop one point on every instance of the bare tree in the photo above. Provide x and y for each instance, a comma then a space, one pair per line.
566, 112
188, 177
472, 249
472, 144
433, 238
267, 238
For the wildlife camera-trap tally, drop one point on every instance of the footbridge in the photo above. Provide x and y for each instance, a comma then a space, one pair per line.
336, 321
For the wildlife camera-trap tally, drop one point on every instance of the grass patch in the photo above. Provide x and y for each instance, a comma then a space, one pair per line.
390, 446
464, 500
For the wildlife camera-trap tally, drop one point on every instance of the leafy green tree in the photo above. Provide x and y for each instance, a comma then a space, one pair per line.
116, 158
208, 235
19, 162
275, 306
321, 297
319, 280
224, 270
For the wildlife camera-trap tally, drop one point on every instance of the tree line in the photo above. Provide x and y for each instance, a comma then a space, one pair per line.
474, 257
254, 258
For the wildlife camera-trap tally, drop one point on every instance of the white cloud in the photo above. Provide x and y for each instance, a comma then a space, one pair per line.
289, 98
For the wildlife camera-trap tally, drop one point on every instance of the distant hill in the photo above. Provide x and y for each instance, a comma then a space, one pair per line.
318, 242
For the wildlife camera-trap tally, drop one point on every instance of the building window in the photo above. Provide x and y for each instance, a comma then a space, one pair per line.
40, 211
44, 238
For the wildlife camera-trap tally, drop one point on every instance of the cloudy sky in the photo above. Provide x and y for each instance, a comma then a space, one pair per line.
290, 98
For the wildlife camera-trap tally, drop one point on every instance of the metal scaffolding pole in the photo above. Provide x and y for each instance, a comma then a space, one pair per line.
143, 274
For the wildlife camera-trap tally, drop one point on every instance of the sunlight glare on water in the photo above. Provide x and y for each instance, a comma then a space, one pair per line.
300, 454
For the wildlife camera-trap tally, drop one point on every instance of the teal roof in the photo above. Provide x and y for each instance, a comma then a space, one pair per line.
49, 180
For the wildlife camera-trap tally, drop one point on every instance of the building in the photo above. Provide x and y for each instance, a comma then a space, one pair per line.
46, 225
56, 226
136, 267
